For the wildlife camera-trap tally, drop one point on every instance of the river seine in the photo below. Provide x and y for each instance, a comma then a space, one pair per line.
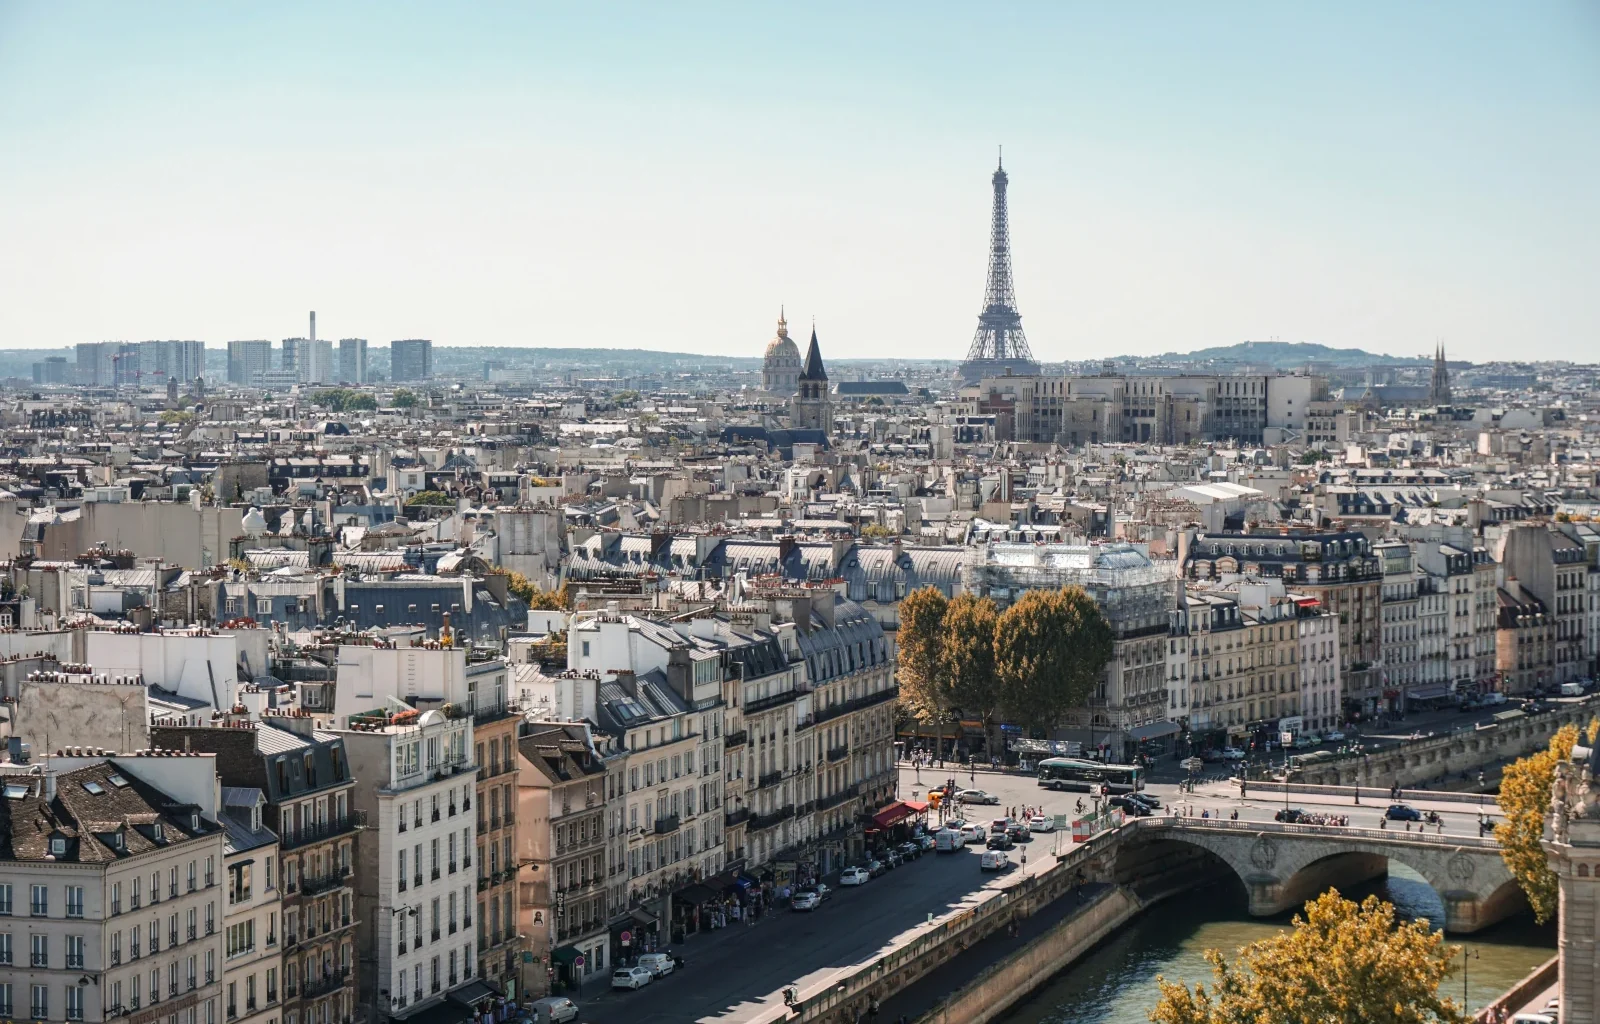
1116, 984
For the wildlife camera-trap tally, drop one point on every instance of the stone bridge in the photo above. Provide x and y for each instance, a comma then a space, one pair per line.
1284, 865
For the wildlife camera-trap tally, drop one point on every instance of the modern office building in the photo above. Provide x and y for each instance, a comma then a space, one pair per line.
247, 360
352, 360
410, 360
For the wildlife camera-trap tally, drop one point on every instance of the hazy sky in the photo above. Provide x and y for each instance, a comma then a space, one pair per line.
660, 175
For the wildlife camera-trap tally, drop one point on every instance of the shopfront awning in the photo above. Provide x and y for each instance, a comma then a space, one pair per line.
474, 993
917, 806
565, 954
695, 895
744, 882
892, 815
645, 918
1153, 730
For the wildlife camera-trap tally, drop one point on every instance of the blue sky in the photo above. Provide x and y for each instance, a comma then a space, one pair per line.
664, 176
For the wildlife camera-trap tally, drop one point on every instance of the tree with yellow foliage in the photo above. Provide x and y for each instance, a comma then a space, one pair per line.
1339, 963
1525, 800
919, 658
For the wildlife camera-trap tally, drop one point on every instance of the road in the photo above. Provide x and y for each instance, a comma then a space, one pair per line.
732, 974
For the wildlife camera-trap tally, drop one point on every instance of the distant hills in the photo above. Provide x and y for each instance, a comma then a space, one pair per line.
1288, 355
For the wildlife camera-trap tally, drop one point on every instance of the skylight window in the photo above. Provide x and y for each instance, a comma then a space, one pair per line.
15, 791
117, 781
94, 787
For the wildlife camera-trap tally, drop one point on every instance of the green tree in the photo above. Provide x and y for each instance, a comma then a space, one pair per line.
1049, 650
876, 531
1338, 963
1525, 799
918, 652
967, 653
404, 398
430, 498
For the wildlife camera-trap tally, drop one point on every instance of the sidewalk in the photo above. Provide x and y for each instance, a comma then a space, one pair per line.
949, 977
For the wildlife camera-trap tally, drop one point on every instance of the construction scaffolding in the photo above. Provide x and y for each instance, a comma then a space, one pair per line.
1134, 593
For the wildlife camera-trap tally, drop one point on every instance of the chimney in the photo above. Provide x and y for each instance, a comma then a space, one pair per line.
629, 682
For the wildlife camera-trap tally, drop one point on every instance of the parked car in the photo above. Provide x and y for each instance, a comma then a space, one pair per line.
1130, 806
631, 977
994, 860
976, 796
1232, 754
1211, 756
658, 964
875, 867
949, 840
822, 891
1041, 823
925, 841
1336, 736
909, 851
1402, 812
554, 1010
804, 900
1288, 814
891, 858
1000, 841
854, 876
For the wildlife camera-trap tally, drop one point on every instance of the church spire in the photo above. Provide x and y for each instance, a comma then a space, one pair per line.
813, 369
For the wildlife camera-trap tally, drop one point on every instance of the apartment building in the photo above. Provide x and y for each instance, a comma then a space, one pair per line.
1319, 665
111, 903
306, 778
1243, 670
416, 888
1525, 642
562, 861
494, 737
1127, 711
252, 976
1553, 568
1339, 569
1400, 619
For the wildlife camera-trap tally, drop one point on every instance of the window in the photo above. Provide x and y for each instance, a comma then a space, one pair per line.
211, 918
5, 950
191, 876
41, 1002
74, 901
39, 904
5, 1000
5, 899
74, 950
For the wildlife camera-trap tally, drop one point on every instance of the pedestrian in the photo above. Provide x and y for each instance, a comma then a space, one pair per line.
1383, 822
872, 1008
1441, 826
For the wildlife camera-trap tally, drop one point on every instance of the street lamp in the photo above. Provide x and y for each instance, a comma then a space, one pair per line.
1467, 956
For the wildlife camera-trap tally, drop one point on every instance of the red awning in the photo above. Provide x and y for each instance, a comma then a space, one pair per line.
892, 815
917, 806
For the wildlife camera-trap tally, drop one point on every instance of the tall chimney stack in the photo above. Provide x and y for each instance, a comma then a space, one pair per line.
313, 325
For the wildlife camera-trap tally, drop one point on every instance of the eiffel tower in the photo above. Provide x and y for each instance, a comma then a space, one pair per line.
999, 348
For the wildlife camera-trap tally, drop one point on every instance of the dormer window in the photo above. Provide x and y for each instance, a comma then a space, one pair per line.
58, 846
161, 832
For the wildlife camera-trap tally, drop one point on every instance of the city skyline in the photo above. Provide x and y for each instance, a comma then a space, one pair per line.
1376, 180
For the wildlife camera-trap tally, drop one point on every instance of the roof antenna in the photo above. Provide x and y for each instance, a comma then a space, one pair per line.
1002, 160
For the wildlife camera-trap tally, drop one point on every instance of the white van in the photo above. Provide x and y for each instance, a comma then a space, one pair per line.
948, 840
1572, 689
994, 860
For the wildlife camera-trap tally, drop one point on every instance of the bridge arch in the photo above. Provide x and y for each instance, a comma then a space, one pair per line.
1282, 866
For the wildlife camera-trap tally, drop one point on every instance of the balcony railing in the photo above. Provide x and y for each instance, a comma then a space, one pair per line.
312, 886
733, 818
772, 700
823, 803
847, 706
769, 779
324, 984
313, 833
735, 739
760, 821
838, 753
667, 825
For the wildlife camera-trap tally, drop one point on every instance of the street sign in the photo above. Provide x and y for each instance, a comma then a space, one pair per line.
1193, 764
627, 938
577, 961
1061, 821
